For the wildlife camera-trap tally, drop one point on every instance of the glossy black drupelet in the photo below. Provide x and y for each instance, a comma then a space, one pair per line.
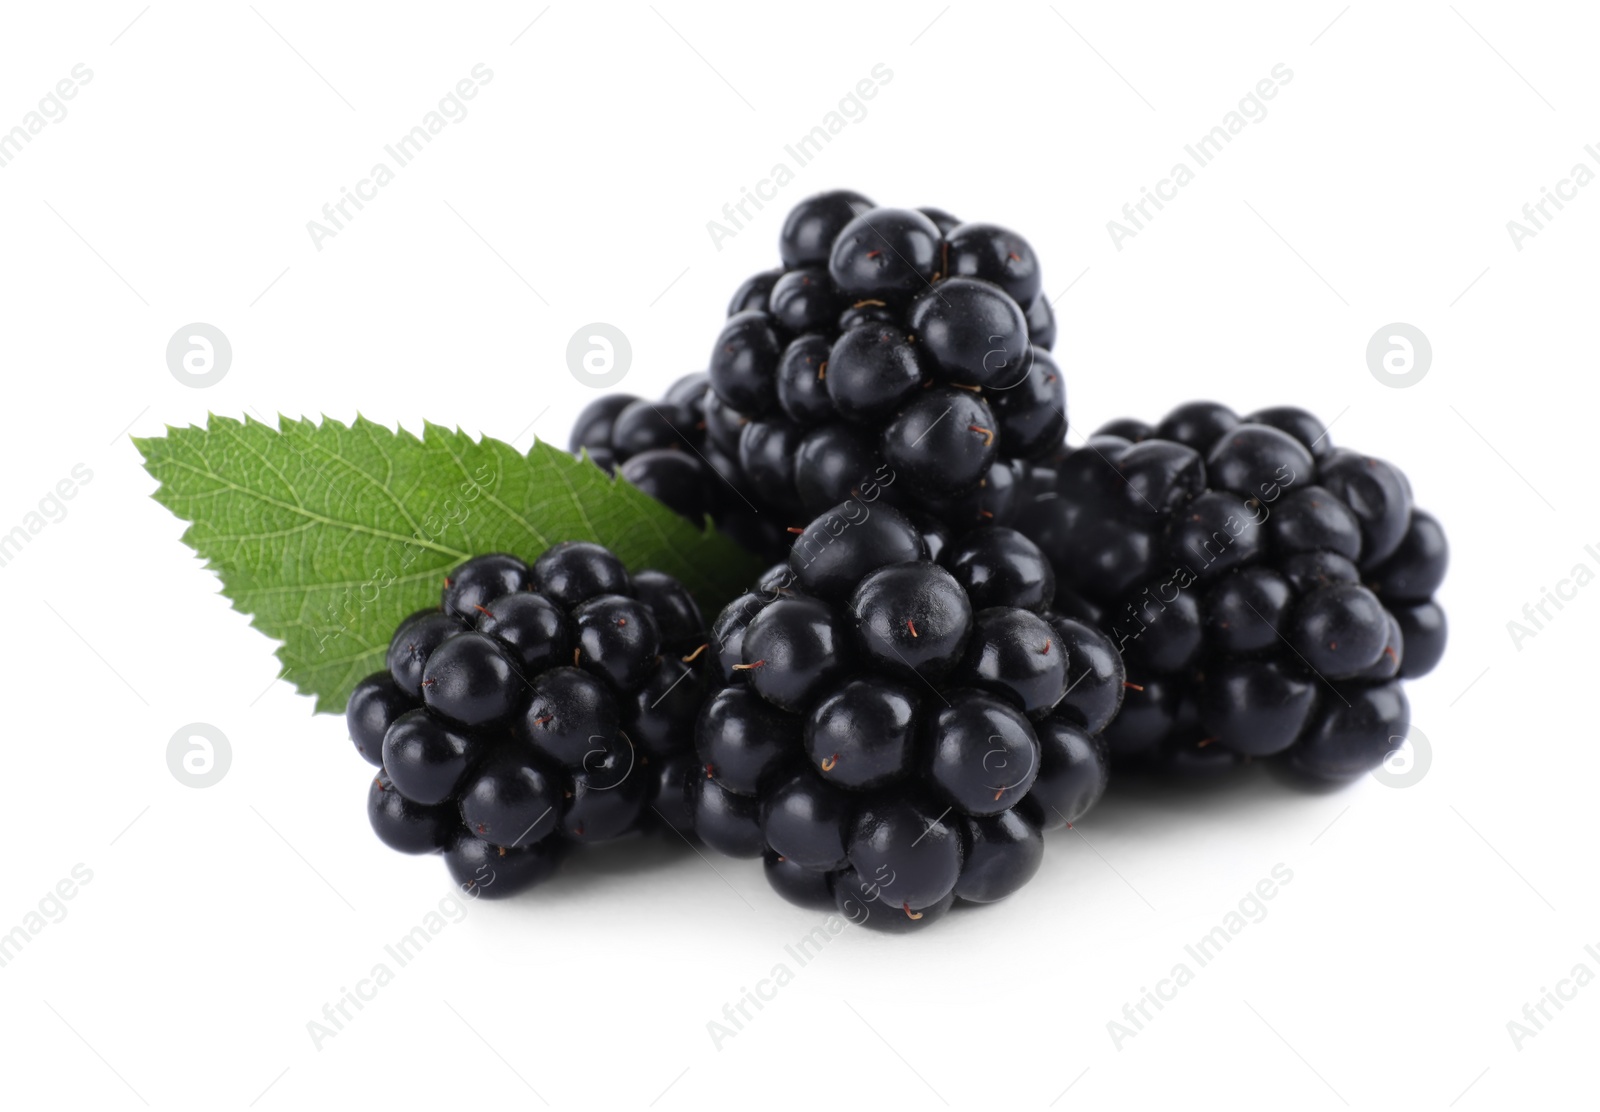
1264, 588
554, 704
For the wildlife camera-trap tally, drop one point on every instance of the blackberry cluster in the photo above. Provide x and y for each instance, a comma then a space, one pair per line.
1267, 591
536, 708
897, 344
662, 448
892, 732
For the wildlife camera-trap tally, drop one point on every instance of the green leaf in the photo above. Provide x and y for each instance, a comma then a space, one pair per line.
328, 535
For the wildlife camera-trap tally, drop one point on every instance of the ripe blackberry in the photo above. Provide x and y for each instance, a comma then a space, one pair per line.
563, 717
896, 351
1264, 589
884, 743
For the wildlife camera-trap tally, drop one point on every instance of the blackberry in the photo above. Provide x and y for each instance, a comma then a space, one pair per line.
883, 742
565, 715
1265, 589
897, 353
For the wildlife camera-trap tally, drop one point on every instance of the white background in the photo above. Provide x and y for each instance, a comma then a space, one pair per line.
1419, 921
